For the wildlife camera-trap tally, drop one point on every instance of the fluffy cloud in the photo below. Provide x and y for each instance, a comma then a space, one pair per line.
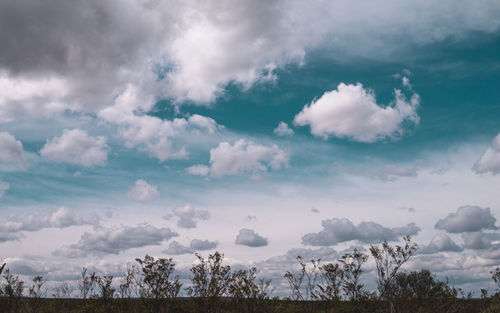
352, 112
440, 243
242, 157
201, 245
142, 191
467, 219
490, 160
65, 60
175, 248
338, 230
113, 241
149, 133
479, 240
76, 147
3, 188
248, 237
187, 216
61, 218
283, 130
11, 151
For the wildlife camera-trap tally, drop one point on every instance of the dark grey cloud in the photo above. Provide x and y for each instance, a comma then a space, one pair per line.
175, 248
479, 240
248, 237
440, 243
468, 218
11, 228
113, 241
188, 216
201, 245
338, 230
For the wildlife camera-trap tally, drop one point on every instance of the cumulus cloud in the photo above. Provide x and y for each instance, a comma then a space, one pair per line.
115, 240
11, 151
440, 243
199, 169
188, 215
201, 245
142, 191
175, 248
242, 157
61, 218
76, 147
248, 237
468, 218
490, 160
150, 133
3, 188
338, 230
351, 111
64, 60
283, 130
479, 240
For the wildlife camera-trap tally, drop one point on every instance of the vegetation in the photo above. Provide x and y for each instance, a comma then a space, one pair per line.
150, 285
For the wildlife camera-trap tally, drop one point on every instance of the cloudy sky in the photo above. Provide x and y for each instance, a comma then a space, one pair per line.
262, 129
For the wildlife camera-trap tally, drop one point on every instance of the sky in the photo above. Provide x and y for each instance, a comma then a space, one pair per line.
260, 129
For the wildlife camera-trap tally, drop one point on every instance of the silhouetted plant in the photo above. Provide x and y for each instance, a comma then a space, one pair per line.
210, 282
295, 280
351, 264
35, 291
86, 284
411, 291
330, 284
128, 286
62, 291
13, 289
104, 283
156, 283
388, 261
247, 291
495, 275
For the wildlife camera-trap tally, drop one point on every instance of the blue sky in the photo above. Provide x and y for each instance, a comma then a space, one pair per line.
125, 141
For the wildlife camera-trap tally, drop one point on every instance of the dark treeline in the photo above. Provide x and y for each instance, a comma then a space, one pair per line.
150, 286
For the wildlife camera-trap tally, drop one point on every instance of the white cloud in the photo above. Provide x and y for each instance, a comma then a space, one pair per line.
188, 215
490, 160
351, 111
283, 130
248, 237
242, 157
149, 133
115, 240
468, 218
142, 191
57, 59
201, 170
22, 97
337, 230
3, 188
203, 122
11, 151
76, 147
